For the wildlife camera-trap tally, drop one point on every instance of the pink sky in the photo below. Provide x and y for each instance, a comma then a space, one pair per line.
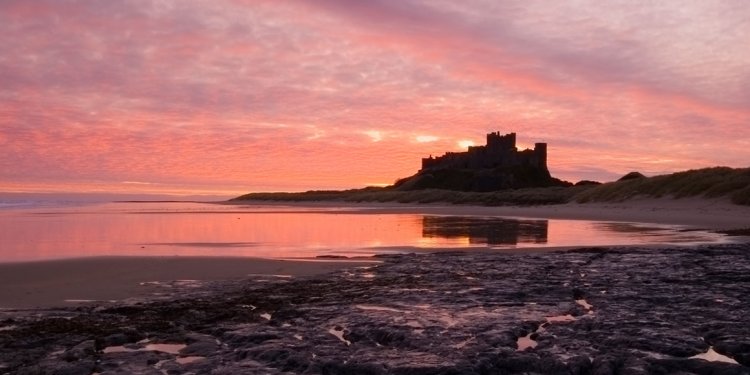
227, 97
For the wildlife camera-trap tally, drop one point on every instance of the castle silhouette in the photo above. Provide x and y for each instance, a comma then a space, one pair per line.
499, 152
498, 165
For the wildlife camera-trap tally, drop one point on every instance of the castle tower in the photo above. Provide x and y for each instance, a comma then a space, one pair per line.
498, 142
540, 149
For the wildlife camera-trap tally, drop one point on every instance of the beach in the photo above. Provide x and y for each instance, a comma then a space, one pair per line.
67, 282
586, 311
71, 282
601, 309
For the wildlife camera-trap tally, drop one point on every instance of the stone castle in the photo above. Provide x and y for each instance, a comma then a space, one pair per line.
499, 152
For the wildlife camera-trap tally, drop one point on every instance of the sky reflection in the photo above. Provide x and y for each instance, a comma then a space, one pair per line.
190, 229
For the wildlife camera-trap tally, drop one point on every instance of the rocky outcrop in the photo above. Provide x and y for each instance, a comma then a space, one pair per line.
587, 311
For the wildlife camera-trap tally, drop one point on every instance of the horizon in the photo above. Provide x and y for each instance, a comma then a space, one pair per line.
223, 98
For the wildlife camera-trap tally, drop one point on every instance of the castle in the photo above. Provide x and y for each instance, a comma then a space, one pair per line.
499, 152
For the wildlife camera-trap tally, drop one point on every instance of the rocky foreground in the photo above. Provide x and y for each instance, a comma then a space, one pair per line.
587, 311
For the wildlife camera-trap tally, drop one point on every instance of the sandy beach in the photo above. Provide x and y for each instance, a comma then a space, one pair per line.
69, 282
445, 310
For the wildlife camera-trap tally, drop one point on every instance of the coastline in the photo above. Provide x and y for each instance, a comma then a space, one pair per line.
530, 310
72, 282
699, 213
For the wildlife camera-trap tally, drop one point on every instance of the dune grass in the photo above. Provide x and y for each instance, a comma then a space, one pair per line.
529, 196
705, 183
717, 182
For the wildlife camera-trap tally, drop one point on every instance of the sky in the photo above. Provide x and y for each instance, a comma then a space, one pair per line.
232, 96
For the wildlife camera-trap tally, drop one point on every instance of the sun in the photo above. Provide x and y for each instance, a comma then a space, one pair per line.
465, 144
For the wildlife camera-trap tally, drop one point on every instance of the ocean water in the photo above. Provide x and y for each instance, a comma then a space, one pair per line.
53, 229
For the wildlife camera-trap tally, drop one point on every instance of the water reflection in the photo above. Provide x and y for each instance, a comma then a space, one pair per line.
278, 232
486, 230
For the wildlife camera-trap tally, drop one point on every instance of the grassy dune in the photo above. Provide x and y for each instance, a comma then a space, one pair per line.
530, 196
717, 182
706, 183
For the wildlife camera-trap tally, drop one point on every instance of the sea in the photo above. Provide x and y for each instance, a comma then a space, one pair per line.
46, 229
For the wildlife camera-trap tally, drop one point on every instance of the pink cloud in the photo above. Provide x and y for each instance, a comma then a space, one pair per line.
257, 94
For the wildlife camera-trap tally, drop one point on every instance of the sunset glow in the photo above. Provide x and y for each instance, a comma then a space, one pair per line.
232, 96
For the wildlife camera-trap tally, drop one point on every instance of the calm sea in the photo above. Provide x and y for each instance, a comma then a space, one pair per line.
38, 230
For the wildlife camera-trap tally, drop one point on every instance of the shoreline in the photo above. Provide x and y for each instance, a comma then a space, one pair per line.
48, 283
710, 214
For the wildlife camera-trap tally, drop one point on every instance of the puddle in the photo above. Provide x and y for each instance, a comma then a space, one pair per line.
712, 356
339, 333
165, 348
298, 337
117, 349
378, 308
270, 275
186, 360
583, 303
526, 342
7, 328
560, 318
422, 306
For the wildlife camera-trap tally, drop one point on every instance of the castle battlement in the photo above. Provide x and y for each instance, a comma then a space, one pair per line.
500, 151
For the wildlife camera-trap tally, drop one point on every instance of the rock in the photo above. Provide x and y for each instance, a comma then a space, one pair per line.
60, 368
200, 348
116, 339
80, 351
449, 313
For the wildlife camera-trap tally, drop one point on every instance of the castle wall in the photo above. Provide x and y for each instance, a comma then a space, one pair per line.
500, 151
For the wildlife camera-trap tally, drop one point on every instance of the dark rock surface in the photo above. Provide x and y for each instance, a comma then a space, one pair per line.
587, 311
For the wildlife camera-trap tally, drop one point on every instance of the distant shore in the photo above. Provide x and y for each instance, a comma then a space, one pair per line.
716, 183
711, 214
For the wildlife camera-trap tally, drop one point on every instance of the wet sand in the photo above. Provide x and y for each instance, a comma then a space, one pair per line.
73, 281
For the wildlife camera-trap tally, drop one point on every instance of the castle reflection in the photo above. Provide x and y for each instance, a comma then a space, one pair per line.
490, 231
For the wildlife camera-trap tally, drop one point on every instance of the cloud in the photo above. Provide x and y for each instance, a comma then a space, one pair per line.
264, 93
426, 138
